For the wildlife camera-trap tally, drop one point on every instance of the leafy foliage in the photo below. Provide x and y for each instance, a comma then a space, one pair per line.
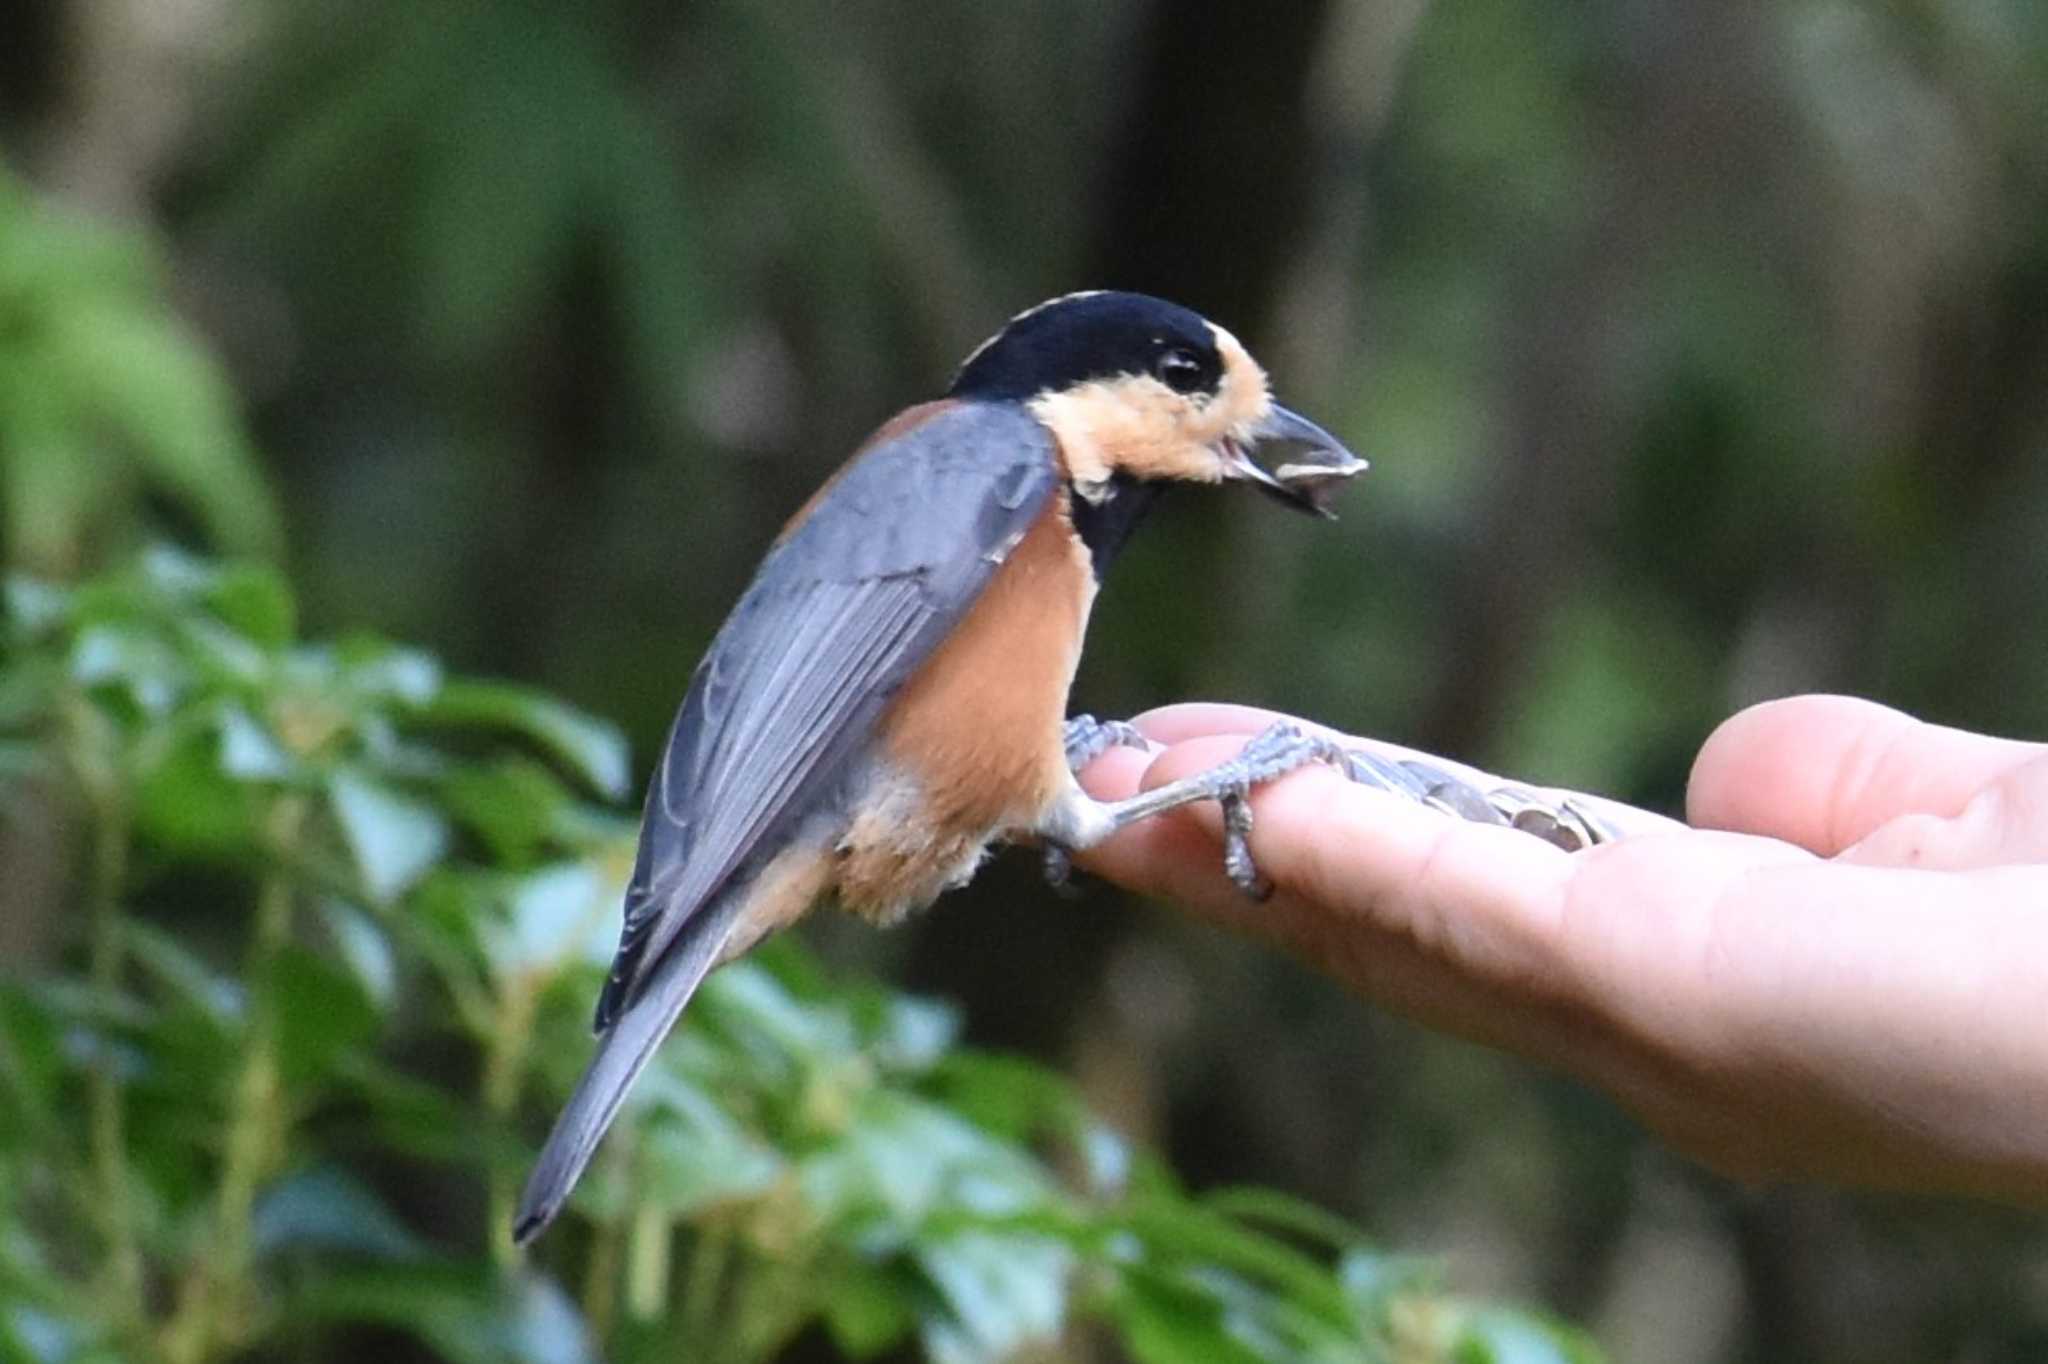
104, 396
428, 867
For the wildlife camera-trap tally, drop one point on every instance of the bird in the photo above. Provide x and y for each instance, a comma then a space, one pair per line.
888, 698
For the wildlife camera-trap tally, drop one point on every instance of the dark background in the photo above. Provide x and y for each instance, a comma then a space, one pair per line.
1701, 352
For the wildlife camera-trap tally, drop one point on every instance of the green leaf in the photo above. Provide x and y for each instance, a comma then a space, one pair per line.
193, 982
750, 1002
1286, 1214
32, 1062
360, 943
410, 1115
915, 1034
1009, 1095
256, 603
1497, 1335
126, 366
325, 1208
34, 606
691, 1153
593, 749
145, 669
393, 837
544, 1325
1026, 1102
867, 1310
1001, 1292
1106, 1160
172, 573
186, 802
248, 751
321, 1012
560, 914
220, 655
29, 1333
451, 912
1166, 1322
1373, 1281
514, 804
466, 1314
377, 669
908, 1161
47, 468
1191, 1232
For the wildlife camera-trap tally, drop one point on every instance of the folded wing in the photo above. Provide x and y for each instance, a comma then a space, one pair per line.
841, 613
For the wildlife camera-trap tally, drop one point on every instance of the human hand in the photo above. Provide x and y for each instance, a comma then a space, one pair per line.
1840, 972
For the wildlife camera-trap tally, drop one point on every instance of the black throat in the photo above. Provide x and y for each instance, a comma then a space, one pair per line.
1104, 525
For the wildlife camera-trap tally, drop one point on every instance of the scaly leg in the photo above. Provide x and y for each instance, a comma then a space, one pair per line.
1086, 739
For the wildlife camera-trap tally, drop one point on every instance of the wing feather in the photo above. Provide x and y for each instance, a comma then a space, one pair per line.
839, 616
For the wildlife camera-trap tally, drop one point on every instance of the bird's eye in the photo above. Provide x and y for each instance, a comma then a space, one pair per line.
1180, 370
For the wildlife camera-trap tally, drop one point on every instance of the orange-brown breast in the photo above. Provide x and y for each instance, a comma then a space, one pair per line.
976, 733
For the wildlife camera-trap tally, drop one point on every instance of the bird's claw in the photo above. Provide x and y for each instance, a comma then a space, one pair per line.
1274, 752
1059, 868
1237, 852
1088, 738
1558, 820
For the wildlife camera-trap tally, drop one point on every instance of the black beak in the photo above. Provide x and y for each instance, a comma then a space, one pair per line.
1309, 464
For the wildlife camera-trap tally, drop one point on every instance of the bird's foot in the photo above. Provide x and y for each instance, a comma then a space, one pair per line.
1058, 866
1281, 748
1088, 738
1556, 819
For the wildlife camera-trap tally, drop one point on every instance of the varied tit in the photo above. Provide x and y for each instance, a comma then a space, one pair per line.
889, 696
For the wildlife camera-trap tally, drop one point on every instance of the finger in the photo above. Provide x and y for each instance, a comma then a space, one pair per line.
1825, 771
1195, 719
1115, 772
2004, 824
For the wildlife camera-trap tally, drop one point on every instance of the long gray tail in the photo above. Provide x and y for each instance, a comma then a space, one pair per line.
622, 1053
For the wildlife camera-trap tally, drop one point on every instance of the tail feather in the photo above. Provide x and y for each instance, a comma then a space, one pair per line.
622, 1053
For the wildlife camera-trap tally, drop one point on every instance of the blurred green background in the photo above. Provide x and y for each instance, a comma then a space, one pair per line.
1701, 351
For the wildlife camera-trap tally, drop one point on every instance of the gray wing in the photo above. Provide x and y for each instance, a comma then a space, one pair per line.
841, 613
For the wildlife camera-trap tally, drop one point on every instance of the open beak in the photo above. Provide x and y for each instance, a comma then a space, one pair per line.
1309, 464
